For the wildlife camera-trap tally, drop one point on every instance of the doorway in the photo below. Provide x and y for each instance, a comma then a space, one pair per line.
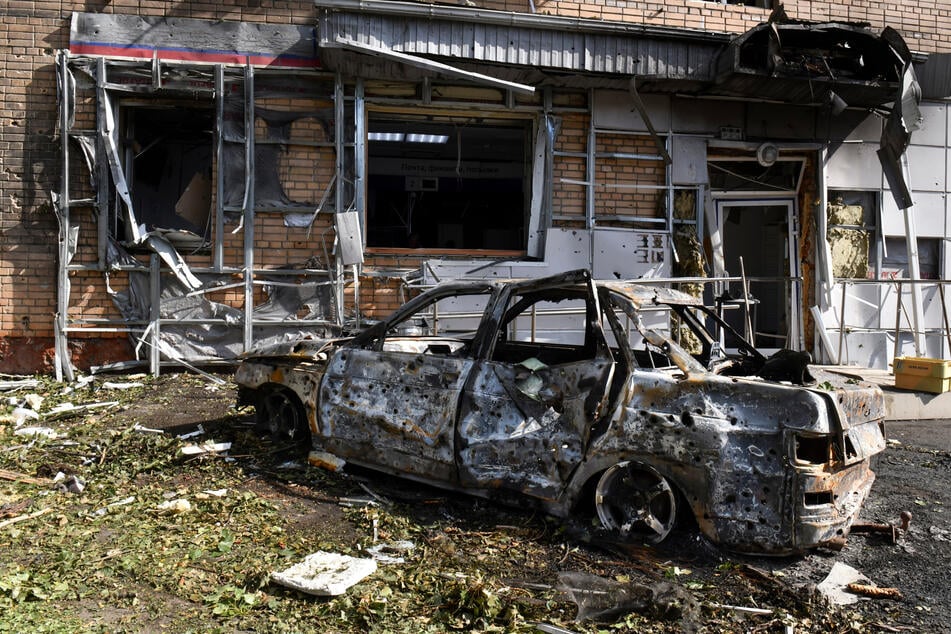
762, 234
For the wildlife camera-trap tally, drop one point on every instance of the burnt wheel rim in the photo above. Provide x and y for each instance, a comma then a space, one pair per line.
279, 414
636, 502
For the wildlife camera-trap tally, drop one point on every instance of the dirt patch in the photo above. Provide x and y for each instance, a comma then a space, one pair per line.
474, 565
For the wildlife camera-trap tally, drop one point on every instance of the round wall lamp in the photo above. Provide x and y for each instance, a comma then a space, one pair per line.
766, 154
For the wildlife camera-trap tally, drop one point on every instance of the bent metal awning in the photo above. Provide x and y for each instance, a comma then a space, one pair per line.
431, 65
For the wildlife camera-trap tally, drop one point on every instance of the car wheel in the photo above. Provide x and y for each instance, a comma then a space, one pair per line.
635, 501
280, 413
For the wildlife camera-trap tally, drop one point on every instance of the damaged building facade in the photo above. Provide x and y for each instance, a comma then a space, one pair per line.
183, 186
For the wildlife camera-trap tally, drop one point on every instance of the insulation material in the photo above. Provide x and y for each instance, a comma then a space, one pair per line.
689, 263
849, 249
848, 244
846, 214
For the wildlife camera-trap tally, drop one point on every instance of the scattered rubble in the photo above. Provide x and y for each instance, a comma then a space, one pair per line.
110, 514
325, 574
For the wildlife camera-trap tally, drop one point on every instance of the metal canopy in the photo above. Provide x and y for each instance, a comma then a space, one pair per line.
431, 65
552, 45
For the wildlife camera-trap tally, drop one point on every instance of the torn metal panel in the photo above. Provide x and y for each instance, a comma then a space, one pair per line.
395, 408
191, 40
108, 137
349, 237
904, 118
935, 76
796, 61
526, 427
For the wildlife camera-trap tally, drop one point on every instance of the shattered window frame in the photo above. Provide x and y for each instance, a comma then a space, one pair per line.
894, 262
715, 168
192, 192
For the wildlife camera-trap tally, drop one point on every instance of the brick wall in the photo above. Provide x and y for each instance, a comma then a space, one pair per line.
30, 33
923, 23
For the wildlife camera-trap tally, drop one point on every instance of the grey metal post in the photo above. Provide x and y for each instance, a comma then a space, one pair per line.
339, 147
218, 258
155, 313
590, 179
102, 189
63, 363
248, 210
359, 182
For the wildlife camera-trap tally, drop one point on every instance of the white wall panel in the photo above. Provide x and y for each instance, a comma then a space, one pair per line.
701, 116
614, 110
929, 210
926, 168
933, 130
854, 166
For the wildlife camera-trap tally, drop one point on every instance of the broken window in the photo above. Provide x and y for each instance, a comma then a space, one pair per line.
443, 183
751, 175
167, 153
895, 258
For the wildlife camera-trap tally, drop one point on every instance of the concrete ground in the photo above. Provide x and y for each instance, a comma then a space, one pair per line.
904, 405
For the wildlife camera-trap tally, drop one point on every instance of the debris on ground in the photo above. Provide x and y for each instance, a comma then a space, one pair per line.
600, 599
834, 586
95, 529
327, 461
209, 447
325, 574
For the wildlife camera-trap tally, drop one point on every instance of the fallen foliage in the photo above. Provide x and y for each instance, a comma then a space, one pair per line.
146, 537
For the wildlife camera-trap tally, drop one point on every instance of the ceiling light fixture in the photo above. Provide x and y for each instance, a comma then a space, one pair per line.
386, 136
427, 138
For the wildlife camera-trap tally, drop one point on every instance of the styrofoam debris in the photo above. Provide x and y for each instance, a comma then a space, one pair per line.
206, 447
109, 385
20, 414
389, 553
34, 401
47, 432
833, 587
325, 574
174, 507
122, 502
199, 430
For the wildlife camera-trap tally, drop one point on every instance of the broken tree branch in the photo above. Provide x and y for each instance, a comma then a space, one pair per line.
23, 518
22, 477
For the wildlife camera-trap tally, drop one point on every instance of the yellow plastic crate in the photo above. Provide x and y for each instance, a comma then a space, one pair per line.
922, 374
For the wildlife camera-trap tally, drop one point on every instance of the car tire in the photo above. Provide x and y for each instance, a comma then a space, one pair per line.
636, 502
280, 413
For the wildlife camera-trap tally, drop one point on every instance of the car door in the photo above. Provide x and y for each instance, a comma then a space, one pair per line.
533, 398
390, 399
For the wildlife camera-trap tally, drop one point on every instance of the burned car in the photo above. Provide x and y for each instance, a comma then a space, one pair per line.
564, 391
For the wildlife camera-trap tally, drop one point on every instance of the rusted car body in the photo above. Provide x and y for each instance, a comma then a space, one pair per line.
559, 391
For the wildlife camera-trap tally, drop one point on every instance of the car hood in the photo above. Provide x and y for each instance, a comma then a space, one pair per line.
315, 348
